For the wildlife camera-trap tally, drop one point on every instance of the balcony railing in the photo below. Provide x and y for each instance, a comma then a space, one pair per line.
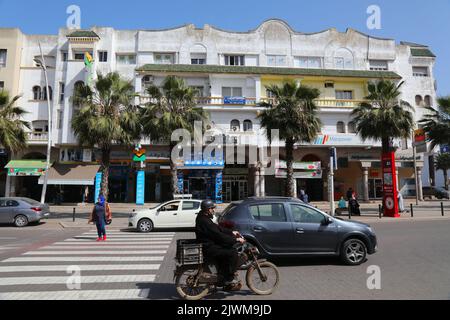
37, 136
245, 101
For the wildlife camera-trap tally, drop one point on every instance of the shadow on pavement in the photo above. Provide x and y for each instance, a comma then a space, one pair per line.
306, 261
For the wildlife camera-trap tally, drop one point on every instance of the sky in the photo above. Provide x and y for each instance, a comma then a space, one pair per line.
418, 21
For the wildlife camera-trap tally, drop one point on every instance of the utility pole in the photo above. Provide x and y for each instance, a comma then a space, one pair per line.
42, 64
415, 167
331, 183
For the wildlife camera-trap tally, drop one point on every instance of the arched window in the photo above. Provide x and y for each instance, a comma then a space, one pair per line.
419, 100
36, 93
428, 101
340, 127
351, 127
44, 93
248, 125
146, 82
235, 125
343, 59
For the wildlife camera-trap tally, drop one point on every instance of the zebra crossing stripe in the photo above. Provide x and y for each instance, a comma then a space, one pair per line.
90, 243
83, 259
143, 252
83, 279
102, 247
118, 239
78, 295
98, 267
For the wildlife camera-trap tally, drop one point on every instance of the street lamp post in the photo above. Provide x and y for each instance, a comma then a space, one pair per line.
41, 63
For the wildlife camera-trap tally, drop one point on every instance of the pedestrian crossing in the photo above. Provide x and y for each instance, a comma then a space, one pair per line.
79, 268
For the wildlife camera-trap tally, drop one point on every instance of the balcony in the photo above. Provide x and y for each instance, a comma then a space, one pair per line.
37, 137
245, 101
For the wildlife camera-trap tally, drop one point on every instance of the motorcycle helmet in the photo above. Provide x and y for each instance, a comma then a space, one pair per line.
207, 204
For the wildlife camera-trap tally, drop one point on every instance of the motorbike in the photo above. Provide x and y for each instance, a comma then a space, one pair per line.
196, 278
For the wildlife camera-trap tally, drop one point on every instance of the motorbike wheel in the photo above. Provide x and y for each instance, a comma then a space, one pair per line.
258, 285
185, 286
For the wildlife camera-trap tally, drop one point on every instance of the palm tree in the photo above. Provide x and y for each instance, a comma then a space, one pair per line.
295, 114
443, 163
172, 106
12, 134
383, 116
107, 117
437, 123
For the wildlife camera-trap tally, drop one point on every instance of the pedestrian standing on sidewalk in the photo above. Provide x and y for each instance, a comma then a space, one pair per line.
99, 216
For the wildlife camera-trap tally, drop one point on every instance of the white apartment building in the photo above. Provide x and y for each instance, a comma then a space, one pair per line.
231, 70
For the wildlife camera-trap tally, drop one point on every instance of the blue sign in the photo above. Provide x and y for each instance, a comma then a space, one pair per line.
140, 188
445, 149
233, 100
219, 197
180, 182
98, 185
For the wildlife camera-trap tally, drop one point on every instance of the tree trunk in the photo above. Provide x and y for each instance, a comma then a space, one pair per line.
386, 145
106, 159
446, 179
290, 170
174, 174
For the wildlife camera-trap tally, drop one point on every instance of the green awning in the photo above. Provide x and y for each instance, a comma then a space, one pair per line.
27, 164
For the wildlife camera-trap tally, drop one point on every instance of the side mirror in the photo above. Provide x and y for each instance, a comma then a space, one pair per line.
326, 221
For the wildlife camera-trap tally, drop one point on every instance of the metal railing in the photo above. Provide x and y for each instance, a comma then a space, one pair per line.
38, 136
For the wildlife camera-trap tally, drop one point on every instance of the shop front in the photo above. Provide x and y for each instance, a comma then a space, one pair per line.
27, 173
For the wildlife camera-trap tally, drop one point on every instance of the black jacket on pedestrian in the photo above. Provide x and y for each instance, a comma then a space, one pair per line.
210, 234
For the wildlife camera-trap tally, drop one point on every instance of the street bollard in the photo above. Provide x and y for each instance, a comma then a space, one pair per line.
349, 214
379, 210
442, 208
412, 211
74, 210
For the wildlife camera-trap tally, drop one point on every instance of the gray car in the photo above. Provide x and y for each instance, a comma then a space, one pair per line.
287, 226
22, 211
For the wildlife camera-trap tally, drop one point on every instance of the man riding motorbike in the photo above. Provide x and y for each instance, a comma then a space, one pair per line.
218, 245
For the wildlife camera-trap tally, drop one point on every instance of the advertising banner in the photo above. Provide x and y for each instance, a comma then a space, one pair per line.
98, 184
219, 182
140, 188
390, 192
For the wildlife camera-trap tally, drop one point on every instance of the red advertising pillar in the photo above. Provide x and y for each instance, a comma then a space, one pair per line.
390, 192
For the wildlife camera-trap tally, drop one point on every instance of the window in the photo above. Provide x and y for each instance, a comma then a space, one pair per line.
235, 125
79, 55
44, 93
198, 58
419, 100
340, 127
103, 56
3, 55
276, 61
268, 212
36, 93
351, 127
428, 101
198, 61
231, 92
234, 60
329, 85
378, 65
173, 206
343, 59
64, 56
308, 62
164, 58
248, 125
62, 88
191, 205
344, 95
59, 119
302, 214
420, 72
2, 85
126, 59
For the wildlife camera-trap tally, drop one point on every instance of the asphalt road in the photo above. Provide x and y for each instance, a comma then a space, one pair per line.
413, 258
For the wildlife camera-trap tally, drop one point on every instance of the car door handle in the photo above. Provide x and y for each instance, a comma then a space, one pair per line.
258, 229
300, 231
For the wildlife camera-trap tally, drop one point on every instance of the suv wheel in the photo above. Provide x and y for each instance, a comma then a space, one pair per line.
145, 225
20, 221
353, 252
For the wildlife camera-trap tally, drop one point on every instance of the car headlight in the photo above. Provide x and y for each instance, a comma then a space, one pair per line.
370, 229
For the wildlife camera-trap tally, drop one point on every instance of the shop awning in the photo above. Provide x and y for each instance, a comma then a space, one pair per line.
26, 167
72, 175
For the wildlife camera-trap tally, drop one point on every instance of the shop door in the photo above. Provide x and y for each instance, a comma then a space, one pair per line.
375, 188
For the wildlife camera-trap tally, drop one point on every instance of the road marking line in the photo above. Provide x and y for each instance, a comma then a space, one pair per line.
137, 240
63, 244
104, 246
78, 295
83, 259
99, 253
84, 279
98, 267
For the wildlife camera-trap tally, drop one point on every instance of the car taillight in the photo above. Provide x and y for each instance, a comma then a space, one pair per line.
36, 209
227, 224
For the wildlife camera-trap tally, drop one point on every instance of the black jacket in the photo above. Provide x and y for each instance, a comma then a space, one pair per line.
210, 234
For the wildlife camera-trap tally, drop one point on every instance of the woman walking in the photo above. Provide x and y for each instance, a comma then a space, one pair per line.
99, 216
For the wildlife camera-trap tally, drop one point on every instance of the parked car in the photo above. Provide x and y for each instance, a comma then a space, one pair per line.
440, 193
287, 226
171, 214
22, 211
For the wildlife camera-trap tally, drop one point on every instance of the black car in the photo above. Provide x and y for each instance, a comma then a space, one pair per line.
287, 226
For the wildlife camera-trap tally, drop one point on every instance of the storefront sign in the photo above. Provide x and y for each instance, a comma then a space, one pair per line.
344, 140
233, 100
98, 185
139, 154
389, 185
24, 172
299, 165
312, 174
420, 141
219, 183
140, 188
